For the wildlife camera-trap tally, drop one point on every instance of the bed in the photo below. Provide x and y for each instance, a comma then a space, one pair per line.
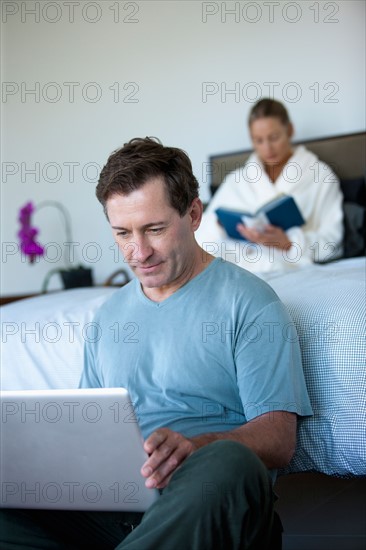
43, 337
42, 347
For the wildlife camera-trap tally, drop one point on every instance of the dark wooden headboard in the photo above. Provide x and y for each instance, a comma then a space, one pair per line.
345, 154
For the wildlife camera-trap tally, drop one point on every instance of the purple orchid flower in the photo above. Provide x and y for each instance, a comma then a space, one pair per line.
27, 234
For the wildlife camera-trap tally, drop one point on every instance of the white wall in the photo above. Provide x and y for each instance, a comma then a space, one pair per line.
173, 64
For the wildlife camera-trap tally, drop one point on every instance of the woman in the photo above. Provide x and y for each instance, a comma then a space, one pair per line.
274, 168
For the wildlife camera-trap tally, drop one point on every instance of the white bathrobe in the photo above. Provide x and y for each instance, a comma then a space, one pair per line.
316, 191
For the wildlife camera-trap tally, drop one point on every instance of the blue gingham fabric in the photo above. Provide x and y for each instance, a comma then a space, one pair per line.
327, 304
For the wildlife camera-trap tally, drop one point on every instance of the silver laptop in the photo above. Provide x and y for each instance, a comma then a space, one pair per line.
71, 449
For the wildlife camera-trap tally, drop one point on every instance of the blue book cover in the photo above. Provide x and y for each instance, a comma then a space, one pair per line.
282, 212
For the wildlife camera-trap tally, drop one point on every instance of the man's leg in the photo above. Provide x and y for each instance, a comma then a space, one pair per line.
220, 498
64, 530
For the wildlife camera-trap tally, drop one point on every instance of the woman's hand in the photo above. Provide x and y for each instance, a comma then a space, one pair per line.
270, 236
167, 450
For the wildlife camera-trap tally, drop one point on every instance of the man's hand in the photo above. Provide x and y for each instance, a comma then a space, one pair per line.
271, 436
270, 236
167, 450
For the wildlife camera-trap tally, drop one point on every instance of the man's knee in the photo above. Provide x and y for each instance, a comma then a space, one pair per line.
231, 464
220, 470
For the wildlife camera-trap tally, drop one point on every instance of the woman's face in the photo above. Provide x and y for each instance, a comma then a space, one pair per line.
271, 140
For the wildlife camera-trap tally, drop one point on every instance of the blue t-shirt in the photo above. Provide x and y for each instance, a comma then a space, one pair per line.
217, 353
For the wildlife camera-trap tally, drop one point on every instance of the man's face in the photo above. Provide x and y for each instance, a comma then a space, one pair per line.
155, 241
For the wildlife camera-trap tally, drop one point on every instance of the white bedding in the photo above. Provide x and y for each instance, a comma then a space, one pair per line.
42, 338
327, 304
42, 346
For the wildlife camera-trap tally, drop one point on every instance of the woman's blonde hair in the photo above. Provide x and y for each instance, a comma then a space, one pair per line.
269, 108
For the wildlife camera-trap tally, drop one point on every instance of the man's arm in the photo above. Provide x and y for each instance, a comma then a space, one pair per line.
272, 436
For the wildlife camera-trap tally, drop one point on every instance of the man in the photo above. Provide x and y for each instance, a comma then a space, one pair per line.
213, 368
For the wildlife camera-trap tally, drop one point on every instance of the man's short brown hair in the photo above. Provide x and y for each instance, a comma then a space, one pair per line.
141, 159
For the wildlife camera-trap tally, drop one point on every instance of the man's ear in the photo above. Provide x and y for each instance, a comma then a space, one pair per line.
195, 212
106, 212
290, 130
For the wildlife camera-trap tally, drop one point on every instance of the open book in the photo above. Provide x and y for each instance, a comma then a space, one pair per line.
282, 212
